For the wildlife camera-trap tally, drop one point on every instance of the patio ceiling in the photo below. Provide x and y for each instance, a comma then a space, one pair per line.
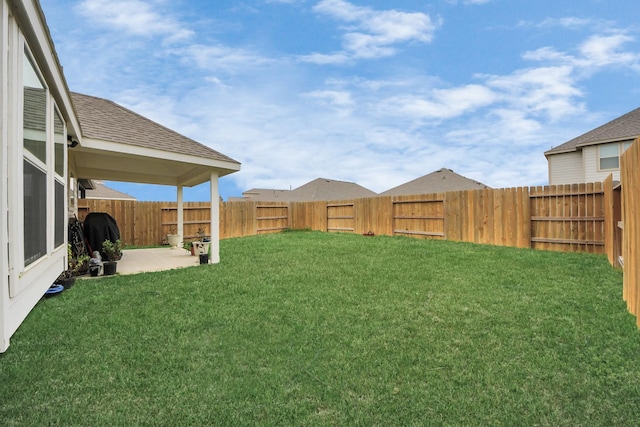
121, 162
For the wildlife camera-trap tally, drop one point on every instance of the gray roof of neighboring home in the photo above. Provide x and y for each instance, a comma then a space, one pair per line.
263, 194
623, 128
318, 189
105, 120
440, 181
101, 191
329, 189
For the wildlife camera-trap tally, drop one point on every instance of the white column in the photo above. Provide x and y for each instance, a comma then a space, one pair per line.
180, 214
214, 226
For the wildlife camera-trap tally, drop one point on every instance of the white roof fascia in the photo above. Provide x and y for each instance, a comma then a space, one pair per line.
607, 141
133, 150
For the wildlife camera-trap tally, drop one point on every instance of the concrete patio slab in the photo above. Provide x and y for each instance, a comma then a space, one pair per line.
155, 259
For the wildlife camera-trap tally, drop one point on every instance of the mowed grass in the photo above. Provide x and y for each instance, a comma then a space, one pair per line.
317, 329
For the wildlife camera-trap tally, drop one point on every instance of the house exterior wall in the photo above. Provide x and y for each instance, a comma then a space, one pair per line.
582, 165
592, 170
565, 168
4, 177
25, 278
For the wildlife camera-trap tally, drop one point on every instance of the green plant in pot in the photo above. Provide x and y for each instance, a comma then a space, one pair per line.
75, 267
188, 246
113, 251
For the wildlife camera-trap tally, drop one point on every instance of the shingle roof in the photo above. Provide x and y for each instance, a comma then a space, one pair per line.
264, 194
101, 191
621, 129
329, 189
436, 182
318, 189
105, 120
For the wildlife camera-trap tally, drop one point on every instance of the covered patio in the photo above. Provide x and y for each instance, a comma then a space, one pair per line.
120, 145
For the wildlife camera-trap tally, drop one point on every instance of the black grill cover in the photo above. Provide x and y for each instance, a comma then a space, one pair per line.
99, 227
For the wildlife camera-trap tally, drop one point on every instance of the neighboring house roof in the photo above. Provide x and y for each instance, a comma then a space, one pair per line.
263, 194
329, 189
440, 181
623, 128
101, 191
318, 189
105, 120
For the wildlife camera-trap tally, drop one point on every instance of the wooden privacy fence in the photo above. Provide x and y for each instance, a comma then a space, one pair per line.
629, 227
148, 223
564, 218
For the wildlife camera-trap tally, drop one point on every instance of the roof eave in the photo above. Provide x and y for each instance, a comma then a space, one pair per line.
124, 162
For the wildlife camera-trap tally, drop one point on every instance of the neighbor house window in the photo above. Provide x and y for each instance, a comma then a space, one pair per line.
609, 154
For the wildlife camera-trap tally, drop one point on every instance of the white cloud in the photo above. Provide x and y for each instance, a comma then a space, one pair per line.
548, 54
568, 22
370, 33
326, 59
134, 17
547, 91
604, 50
441, 103
334, 98
222, 58
596, 52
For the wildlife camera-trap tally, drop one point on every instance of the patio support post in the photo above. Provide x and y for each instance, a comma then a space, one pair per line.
215, 220
180, 214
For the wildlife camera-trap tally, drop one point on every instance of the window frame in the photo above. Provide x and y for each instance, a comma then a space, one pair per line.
620, 146
28, 277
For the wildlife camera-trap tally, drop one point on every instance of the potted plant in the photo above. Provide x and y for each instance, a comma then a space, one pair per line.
173, 239
113, 251
188, 246
75, 268
201, 246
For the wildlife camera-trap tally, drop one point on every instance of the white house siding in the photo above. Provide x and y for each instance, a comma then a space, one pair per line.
565, 168
23, 283
592, 172
4, 168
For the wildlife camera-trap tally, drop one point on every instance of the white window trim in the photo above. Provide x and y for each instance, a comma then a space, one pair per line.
620, 146
23, 278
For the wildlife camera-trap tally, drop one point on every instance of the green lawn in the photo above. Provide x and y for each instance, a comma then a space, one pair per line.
306, 328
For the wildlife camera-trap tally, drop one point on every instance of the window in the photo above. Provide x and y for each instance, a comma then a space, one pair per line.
34, 170
609, 154
35, 213
43, 167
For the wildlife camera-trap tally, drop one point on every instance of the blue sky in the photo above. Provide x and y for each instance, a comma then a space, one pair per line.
374, 92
